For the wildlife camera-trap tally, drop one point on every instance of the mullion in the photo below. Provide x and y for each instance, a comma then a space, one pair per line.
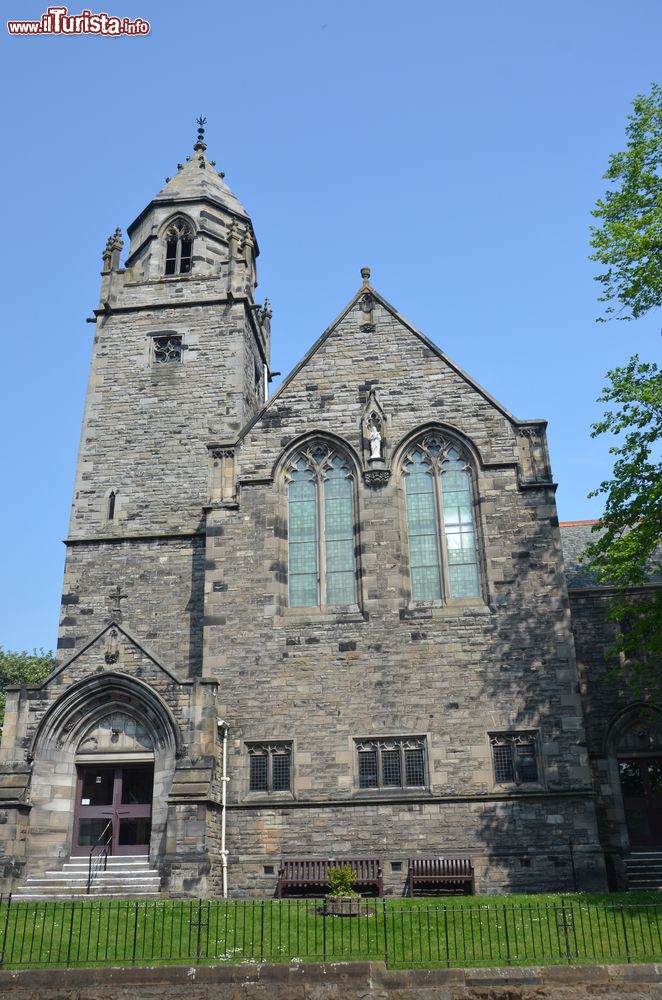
321, 541
439, 505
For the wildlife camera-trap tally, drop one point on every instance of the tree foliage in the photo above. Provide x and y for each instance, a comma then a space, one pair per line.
22, 668
628, 552
629, 241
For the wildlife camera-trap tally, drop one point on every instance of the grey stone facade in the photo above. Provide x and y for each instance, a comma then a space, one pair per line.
175, 606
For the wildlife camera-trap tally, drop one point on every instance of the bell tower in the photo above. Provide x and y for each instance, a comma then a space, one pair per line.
180, 360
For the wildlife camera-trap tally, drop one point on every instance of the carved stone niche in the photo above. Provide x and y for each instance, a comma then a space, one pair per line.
375, 454
366, 309
112, 652
533, 454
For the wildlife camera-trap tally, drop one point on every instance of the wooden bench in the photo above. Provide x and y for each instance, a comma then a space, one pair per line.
310, 876
441, 876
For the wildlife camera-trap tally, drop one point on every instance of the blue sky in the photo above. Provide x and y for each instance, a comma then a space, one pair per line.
455, 148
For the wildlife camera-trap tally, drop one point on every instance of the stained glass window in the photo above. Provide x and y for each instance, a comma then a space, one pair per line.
322, 565
440, 523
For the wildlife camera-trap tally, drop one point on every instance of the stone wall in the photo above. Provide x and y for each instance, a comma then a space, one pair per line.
607, 698
337, 982
163, 583
452, 674
146, 426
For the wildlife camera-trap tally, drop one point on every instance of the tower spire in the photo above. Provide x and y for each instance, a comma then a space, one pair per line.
201, 144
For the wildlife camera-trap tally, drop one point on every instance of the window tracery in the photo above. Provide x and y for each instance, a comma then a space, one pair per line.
167, 349
179, 247
321, 560
443, 562
515, 757
270, 767
392, 762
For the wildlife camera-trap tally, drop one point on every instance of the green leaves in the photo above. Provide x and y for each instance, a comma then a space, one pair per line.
22, 668
628, 553
629, 242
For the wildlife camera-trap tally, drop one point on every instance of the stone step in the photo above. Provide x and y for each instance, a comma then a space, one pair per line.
139, 859
644, 870
44, 897
82, 872
125, 877
152, 884
147, 875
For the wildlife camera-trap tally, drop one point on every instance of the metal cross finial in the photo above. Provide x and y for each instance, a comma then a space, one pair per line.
117, 597
200, 144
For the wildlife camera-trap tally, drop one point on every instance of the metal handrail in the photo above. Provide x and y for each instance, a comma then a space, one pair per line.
94, 868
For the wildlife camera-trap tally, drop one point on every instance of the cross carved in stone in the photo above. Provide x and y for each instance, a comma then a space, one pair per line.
117, 597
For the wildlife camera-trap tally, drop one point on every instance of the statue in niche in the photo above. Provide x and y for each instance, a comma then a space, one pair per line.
375, 439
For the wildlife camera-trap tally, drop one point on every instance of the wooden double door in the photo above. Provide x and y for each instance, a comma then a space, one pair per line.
641, 786
119, 794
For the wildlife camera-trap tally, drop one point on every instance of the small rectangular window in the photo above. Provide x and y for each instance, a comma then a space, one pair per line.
270, 768
391, 762
515, 758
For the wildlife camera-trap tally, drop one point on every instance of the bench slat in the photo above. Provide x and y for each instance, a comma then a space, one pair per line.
301, 872
441, 872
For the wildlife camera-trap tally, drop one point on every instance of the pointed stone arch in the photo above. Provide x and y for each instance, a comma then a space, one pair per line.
95, 697
110, 718
633, 752
636, 730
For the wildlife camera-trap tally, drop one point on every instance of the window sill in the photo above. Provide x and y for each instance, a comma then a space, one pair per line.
417, 610
271, 797
519, 786
314, 616
392, 793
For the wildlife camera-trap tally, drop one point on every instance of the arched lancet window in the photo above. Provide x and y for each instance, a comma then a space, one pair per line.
179, 247
320, 501
443, 561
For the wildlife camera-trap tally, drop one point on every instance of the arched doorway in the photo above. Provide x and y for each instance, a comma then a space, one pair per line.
104, 756
114, 786
636, 746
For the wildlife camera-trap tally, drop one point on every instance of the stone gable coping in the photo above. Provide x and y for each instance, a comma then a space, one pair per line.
114, 623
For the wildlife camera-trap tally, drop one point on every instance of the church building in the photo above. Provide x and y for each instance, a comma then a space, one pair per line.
337, 622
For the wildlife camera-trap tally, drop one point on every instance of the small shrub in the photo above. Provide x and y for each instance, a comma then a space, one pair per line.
342, 880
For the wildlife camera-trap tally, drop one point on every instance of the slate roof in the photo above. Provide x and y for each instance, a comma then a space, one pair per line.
575, 536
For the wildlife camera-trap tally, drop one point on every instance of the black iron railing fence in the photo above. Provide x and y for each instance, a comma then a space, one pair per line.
430, 932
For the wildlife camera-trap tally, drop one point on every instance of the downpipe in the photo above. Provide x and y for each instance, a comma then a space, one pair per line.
223, 728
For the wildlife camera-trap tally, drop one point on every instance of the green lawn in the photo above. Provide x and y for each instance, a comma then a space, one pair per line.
441, 931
